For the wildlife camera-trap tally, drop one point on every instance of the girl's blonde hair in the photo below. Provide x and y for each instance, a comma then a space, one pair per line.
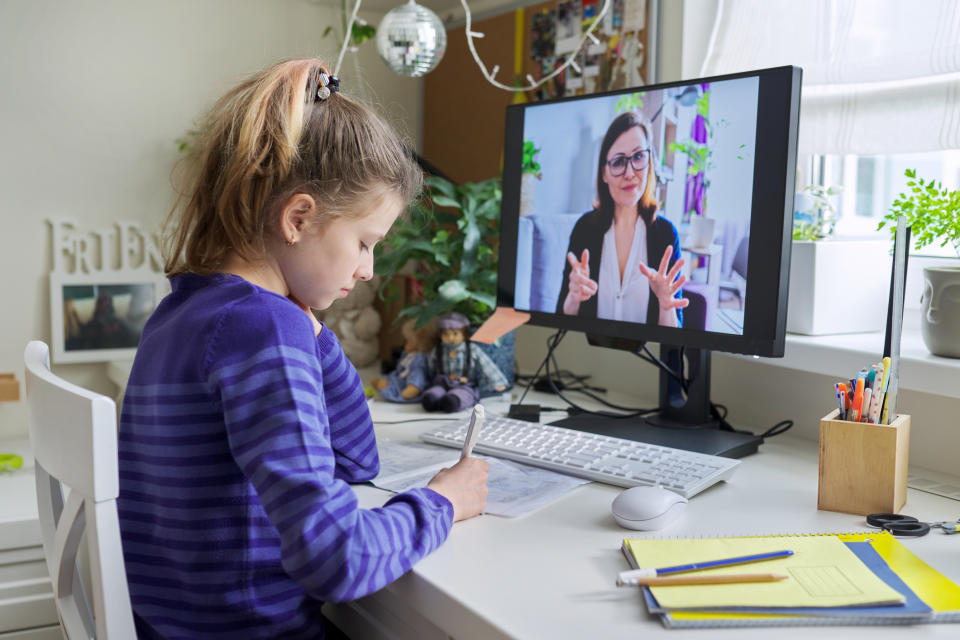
266, 140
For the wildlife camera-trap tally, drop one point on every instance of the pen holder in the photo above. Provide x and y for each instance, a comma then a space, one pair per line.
863, 466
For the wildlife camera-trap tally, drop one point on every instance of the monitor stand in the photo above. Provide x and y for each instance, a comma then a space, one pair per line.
684, 420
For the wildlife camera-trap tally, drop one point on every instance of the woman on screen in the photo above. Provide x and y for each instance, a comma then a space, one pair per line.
623, 259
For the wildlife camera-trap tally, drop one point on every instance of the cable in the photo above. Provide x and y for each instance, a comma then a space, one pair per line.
715, 409
552, 343
684, 383
560, 333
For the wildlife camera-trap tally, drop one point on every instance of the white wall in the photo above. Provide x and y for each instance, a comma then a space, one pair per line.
93, 95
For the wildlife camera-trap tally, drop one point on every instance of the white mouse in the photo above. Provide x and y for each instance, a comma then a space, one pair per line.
647, 508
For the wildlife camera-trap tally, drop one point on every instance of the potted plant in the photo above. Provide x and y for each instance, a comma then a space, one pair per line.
445, 248
933, 213
530, 173
818, 304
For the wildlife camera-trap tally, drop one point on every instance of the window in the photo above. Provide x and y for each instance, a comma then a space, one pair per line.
871, 184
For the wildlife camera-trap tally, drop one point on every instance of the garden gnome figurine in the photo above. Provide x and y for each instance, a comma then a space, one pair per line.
459, 371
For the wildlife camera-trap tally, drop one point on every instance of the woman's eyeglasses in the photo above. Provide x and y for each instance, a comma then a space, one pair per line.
618, 163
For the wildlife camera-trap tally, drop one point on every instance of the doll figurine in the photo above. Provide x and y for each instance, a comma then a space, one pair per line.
459, 371
406, 383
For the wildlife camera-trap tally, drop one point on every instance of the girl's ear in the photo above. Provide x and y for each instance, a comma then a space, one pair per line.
295, 216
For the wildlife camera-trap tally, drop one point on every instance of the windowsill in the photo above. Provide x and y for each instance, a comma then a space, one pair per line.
844, 354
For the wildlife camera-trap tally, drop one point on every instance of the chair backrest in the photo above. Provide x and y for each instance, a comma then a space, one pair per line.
740, 257
73, 434
695, 315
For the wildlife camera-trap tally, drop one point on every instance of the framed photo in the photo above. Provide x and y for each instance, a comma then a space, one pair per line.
99, 317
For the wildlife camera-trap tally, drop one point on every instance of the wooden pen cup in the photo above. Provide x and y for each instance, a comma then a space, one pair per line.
863, 466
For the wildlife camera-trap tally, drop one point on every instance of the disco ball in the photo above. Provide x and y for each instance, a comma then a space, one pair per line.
411, 40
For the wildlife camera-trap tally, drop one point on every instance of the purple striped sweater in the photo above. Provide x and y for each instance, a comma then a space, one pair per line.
239, 434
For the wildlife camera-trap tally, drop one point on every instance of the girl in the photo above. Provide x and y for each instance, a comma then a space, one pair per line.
243, 423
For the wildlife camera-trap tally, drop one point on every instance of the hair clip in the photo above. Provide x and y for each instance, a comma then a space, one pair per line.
327, 84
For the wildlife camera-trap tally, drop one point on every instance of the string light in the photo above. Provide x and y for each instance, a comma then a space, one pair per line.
489, 75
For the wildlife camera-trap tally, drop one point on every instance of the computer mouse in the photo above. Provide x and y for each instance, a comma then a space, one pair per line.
647, 508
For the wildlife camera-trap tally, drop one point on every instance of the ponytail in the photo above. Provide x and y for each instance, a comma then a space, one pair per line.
264, 141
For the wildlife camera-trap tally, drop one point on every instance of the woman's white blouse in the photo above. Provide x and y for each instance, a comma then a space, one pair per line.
627, 300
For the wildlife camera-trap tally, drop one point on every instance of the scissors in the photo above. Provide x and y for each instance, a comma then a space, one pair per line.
900, 525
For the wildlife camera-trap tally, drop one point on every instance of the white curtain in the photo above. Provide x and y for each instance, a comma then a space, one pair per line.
879, 76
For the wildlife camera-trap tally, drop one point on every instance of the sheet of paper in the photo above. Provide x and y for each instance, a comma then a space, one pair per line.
515, 488
503, 320
822, 572
634, 15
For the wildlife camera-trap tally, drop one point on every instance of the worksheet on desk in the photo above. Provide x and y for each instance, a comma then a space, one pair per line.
515, 488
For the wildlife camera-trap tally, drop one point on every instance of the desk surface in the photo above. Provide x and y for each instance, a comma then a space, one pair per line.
550, 573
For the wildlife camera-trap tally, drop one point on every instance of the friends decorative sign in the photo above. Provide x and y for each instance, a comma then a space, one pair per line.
103, 286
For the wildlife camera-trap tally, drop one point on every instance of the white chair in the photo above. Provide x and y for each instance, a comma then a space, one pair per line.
73, 434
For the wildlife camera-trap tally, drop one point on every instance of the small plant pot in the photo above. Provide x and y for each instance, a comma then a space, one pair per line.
940, 322
820, 304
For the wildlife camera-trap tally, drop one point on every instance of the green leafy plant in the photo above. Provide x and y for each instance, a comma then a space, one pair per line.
700, 154
530, 165
10, 462
818, 220
359, 33
630, 101
931, 211
451, 238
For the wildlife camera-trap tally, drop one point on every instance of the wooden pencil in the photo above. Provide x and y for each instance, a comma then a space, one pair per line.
730, 578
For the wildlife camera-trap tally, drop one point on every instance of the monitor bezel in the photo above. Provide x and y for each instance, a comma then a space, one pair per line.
774, 179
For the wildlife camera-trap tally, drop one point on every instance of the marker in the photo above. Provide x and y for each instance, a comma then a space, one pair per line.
865, 405
857, 401
473, 431
650, 572
840, 403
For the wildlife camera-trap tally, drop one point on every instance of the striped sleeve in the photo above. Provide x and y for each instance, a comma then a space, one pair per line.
351, 427
278, 432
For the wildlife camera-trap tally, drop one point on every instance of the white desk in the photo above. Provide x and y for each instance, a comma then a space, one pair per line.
550, 573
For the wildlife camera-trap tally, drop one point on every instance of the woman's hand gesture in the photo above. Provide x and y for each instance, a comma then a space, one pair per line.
664, 284
581, 286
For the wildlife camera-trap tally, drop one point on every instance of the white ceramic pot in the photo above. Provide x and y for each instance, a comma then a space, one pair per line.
838, 286
940, 323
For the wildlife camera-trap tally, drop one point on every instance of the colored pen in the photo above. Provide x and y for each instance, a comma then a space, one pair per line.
650, 572
729, 578
865, 405
473, 431
857, 401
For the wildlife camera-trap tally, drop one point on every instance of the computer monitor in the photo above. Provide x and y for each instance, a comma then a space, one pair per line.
604, 193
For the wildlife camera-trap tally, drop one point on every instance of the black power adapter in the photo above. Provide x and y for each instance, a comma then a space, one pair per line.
528, 412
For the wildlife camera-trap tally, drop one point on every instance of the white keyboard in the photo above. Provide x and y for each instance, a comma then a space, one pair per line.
615, 461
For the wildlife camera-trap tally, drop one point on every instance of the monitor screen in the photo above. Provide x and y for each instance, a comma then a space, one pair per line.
661, 213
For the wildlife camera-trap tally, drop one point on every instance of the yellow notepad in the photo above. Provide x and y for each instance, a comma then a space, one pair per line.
822, 572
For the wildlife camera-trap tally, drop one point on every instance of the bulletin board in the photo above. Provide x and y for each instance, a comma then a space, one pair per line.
463, 114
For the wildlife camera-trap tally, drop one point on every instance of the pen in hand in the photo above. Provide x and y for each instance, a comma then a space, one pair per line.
473, 431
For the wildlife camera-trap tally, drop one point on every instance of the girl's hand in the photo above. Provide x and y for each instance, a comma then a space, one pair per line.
665, 284
316, 323
465, 486
581, 287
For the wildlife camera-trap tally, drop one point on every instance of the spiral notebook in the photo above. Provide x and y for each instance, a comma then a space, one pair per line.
927, 595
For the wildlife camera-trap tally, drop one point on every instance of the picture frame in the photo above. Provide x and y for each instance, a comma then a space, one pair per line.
98, 317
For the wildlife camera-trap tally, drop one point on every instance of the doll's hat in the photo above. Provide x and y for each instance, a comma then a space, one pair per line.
453, 320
